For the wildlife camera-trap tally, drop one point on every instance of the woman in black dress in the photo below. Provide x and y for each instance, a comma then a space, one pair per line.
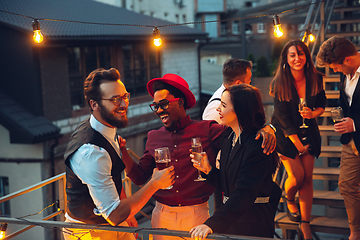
297, 78
245, 173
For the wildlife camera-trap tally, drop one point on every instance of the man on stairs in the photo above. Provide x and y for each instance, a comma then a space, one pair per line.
341, 55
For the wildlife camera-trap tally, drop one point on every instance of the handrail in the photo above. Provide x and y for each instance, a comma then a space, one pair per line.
144, 231
31, 188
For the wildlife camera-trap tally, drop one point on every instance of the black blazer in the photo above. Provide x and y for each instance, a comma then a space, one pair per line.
287, 120
352, 112
245, 173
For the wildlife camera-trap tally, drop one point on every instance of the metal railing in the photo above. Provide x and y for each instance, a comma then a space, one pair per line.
145, 232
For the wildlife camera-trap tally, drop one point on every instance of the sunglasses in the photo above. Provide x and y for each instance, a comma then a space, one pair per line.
163, 104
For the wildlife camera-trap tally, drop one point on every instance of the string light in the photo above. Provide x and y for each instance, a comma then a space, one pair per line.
157, 39
308, 37
311, 37
278, 32
38, 37
3, 230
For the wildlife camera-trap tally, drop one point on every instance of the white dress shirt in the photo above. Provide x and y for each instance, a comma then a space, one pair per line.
210, 112
92, 165
350, 85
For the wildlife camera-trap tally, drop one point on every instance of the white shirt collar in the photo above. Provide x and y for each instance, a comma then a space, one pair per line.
101, 128
356, 75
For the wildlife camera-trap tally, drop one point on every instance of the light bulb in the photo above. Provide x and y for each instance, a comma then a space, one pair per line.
38, 37
157, 39
3, 228
157, 42
311, 37
278, 32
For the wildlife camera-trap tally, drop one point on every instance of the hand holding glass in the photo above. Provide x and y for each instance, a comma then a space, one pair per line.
302, 104
162, 159
196, 147
337, 114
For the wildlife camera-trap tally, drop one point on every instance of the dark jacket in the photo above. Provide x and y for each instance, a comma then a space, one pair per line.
352, 112
244, 175
80, 205
287, 120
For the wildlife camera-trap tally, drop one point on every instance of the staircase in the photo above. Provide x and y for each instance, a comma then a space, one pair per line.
345, 21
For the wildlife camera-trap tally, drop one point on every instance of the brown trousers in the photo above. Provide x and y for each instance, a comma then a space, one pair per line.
349, 183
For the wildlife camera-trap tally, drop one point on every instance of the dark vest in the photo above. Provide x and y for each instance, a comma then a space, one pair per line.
80, 205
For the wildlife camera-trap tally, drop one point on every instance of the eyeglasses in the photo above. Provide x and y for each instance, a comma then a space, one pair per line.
118, 99
163, 104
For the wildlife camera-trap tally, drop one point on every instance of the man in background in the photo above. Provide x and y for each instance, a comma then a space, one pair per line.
341, 55
235, 71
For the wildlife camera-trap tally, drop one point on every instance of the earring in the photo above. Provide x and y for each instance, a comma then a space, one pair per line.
308, 64
284, 66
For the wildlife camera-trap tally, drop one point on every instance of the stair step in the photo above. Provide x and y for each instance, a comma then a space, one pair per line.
330, 151
332, 78
322, 197
342, 34
318, 224
326, 173
345, 21
328, 198
332, 94
328, 130
327, 112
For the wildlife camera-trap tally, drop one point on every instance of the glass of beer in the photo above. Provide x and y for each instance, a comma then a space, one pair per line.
337, 114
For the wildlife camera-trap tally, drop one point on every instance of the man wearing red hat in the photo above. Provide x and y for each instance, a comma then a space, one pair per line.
185, 204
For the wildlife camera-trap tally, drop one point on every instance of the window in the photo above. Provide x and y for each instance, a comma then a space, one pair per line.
140, 64
235, 28
82, 61
223, 26
4, 190
184, 18
261, 28
177, 18
248, 4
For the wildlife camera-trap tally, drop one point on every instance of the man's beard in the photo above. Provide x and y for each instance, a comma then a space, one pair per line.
111, 119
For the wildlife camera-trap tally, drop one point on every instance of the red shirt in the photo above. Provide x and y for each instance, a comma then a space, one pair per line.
185, 190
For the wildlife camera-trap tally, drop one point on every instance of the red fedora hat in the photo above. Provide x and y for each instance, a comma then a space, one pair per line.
175, 81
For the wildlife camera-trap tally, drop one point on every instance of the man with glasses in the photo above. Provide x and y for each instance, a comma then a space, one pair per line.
94, 164
185, 204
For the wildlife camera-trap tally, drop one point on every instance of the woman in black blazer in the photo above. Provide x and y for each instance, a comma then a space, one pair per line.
245, 173
296, 78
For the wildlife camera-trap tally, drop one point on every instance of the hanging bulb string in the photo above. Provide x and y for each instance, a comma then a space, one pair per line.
160, 26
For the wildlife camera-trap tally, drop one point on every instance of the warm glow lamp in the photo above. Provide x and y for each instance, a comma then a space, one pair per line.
311, 37
157, 39
38, 37
3, 228
278, 32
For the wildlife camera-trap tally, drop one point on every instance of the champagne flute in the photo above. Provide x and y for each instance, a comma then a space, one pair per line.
302, 104
196, 147
337, 114
162, 159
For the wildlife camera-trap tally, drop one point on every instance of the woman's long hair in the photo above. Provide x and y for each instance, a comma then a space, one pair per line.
248, 107
283, 81
249, 110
